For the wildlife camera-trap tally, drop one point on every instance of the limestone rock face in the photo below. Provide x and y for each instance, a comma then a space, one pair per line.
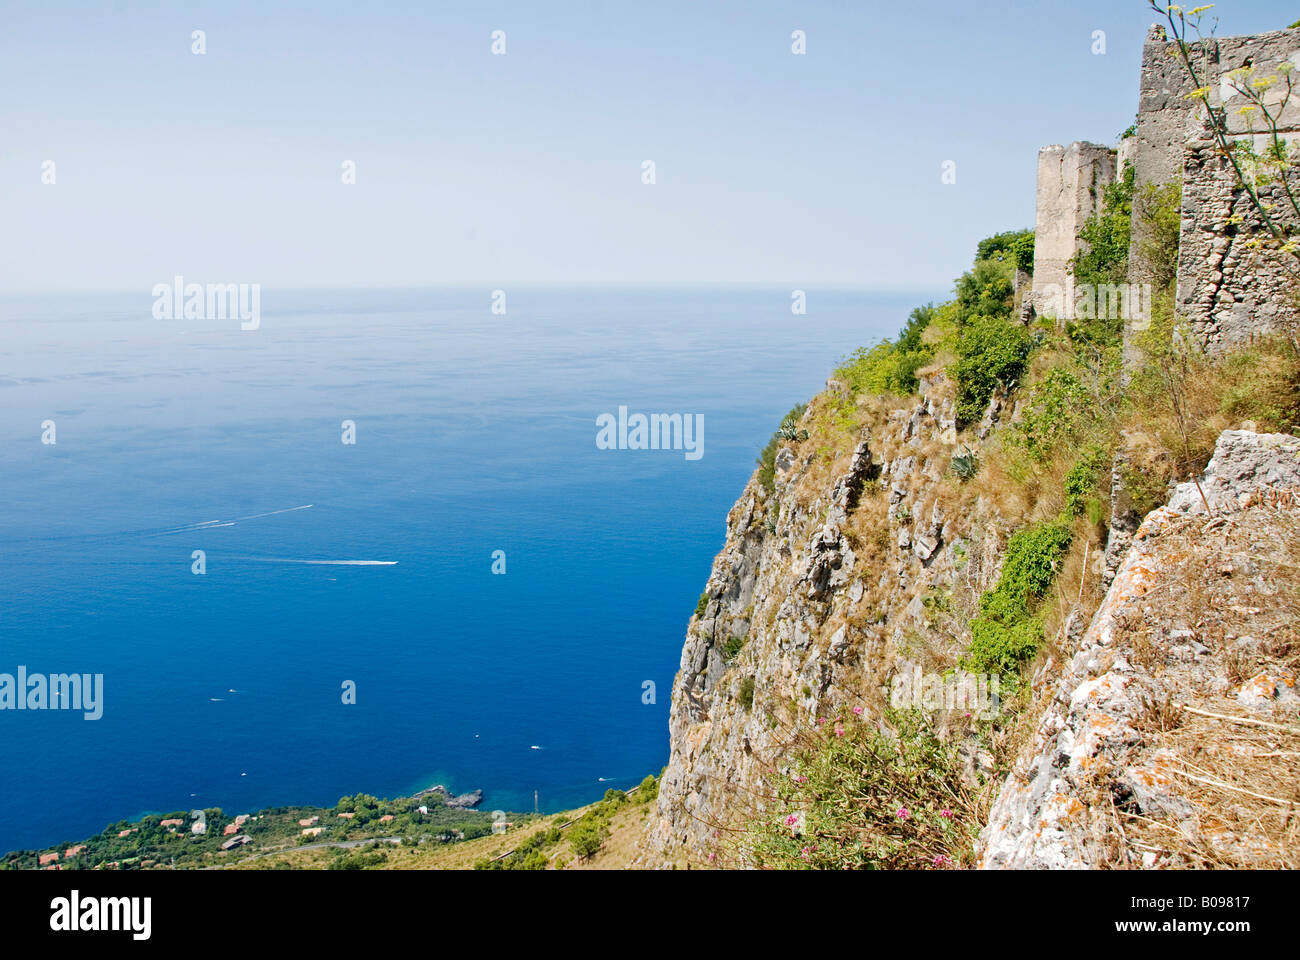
1115, 738
821, 578
1247, 467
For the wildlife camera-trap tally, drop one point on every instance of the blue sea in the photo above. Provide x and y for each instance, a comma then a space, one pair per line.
474, 433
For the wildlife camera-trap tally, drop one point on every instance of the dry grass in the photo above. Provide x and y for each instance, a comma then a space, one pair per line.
626, 828
1182, 400
1226, 770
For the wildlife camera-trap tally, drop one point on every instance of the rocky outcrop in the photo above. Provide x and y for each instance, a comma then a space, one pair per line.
1170, 647
464, 801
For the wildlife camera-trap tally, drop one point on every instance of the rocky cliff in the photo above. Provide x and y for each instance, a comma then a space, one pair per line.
863, 557
1146, 734
1150, 717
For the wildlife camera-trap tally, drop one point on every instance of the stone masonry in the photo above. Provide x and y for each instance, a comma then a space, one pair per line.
1226, 291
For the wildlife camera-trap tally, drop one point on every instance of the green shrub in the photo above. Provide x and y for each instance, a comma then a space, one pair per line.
1053, 410
588, 835
746, 694
1082, 479
647, 790
1159, 206
1015, 247
702, 605
870, 370
1027, 570
733, 647
890, 366
991, 351
998, 648
1022, 251
910, 337
1005, 634
984, 291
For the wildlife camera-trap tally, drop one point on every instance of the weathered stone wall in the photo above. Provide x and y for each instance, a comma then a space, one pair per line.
1070, 183
1227, 291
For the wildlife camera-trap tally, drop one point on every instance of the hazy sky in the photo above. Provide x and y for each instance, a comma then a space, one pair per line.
474, 168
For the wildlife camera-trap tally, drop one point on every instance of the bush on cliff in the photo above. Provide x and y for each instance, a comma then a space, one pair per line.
1014, 246
1051, 414
991, 351
890, 366
1083, 480
984, 291
767, 459
1005, 634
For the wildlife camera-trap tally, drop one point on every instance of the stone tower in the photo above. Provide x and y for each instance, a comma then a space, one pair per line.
1070, 184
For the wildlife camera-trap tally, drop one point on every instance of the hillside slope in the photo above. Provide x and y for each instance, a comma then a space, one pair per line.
1172, 737
865, 555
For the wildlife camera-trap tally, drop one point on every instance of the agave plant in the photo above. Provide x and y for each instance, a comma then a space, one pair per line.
965, 464
790, 430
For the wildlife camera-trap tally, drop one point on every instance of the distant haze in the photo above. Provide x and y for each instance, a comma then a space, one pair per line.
482, 169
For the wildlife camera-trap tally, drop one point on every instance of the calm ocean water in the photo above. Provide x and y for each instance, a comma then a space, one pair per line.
474, 433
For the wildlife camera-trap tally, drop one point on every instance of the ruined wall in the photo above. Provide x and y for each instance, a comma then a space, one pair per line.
1070, 183
1226, 291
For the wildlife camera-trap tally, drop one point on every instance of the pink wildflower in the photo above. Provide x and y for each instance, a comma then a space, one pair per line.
839, 730
903, 813
946, 813
857, 711
941, 861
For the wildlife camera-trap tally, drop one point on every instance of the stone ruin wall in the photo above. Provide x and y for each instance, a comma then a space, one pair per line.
1227, 292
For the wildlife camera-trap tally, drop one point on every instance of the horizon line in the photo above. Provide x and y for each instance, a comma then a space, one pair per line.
840, 285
